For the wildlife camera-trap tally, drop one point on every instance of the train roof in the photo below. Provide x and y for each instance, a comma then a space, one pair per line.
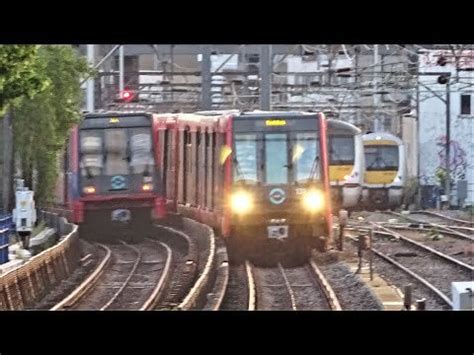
117, 113
264, 114
382, 136
338, 125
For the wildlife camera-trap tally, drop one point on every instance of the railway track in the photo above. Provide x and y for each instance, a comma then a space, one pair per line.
128, 277
428, 267
443, 223
298, 288
448, 244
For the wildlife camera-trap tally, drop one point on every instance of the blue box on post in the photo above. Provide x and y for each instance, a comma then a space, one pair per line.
5, 231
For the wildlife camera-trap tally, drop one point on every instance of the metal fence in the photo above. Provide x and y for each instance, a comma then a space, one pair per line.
6, 229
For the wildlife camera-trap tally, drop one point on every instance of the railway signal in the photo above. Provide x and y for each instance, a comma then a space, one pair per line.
127, 96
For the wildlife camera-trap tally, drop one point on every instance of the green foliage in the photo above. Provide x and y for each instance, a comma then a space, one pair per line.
21, 74
41, 124
441, 175
435, 234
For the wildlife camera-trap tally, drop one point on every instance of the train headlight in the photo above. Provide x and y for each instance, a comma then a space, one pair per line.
313, 200
241, 202
147, 187
89, 190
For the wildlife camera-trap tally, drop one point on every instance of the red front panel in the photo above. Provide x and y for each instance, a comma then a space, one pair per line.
325, 172
226, 220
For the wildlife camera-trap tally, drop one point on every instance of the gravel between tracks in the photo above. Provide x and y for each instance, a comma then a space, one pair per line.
122, 262
273, 294
145, 277
352, 293
236, 297
452, 246
307, 290
438, 272
393, 275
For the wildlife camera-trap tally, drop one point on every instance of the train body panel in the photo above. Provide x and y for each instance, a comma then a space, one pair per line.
385, 174
346, 164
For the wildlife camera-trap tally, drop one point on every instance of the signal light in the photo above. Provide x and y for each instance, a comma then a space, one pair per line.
127, 95
443, 79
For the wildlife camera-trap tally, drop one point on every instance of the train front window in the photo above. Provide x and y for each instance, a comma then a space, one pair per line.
341, 150
245, 159
116, 157
305, 157
91, 152
381, 157
276, 159
116, 151
141, 158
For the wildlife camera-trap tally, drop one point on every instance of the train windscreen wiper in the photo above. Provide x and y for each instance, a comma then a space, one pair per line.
314, 168
239, 170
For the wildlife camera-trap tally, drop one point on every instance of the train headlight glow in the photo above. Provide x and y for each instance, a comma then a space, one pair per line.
89, 190
241, 202
313, 200
147, 187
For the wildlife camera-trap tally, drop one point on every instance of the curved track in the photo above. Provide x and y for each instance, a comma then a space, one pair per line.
129, 277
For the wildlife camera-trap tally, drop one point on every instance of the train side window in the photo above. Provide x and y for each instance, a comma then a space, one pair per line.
164, 138
206, 167
186, 162
212, 155
219, 172
170, 147
196, 150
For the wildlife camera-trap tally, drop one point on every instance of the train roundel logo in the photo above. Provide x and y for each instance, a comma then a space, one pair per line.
118, 182
277, 196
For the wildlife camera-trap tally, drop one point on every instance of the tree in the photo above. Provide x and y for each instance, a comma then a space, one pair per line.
41, 124
21, 74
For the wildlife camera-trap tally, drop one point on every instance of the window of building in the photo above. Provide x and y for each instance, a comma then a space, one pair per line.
465, 104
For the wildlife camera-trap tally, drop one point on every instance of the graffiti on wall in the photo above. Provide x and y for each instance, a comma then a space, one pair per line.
457, 160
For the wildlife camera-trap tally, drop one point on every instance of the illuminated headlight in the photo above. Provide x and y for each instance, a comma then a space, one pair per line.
241, 202
397, 180
89, 190
147, 187
313, 200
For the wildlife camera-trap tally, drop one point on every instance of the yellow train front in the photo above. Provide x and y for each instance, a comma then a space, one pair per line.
346, 164
385, 171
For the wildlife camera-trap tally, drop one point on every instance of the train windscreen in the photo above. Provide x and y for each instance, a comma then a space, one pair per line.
116, 151
265, 158
381, 157
341, 150
245, 162
305, 157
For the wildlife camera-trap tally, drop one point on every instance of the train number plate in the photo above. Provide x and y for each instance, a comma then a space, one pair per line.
121, 215
277, 232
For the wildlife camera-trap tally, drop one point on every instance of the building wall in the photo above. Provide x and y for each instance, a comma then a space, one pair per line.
432, 129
